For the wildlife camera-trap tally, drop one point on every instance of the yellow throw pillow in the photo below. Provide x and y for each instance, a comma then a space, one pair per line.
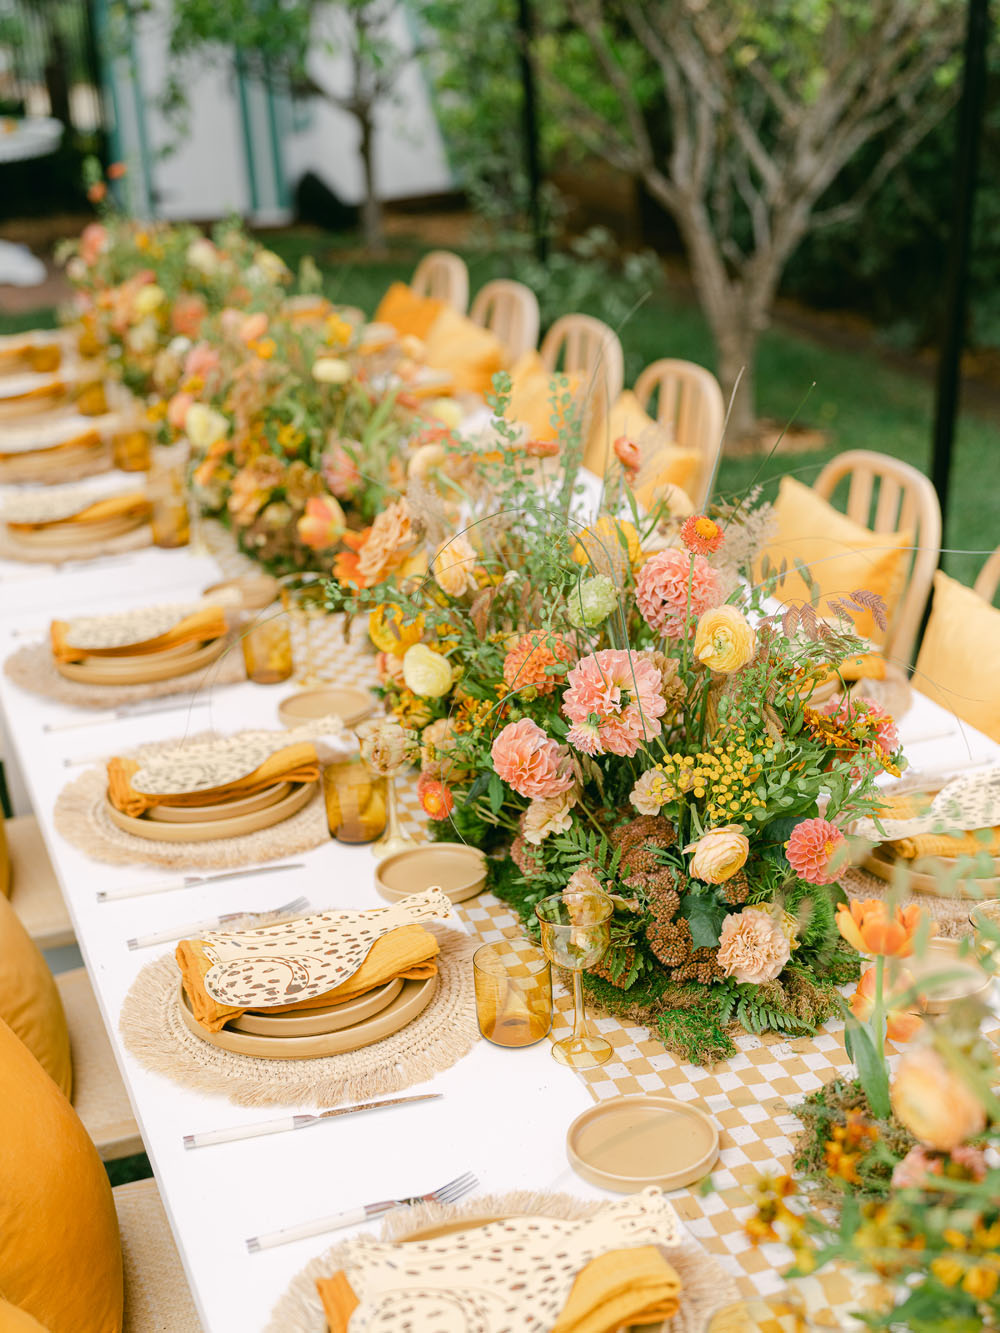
60, 1253
15, 1320
473, 355
407, 312
664, 463
30, 1003
957, 662
531, 396
841, 555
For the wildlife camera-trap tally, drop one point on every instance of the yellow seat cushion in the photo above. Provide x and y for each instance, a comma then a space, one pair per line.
407, 312
29, 1001
5, 870
60, 1255
840, 555
471, 354
958, 658
15, 1320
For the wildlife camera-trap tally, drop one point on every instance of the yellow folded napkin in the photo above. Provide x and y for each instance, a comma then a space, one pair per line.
407, 952
88, 439
54, 389
973, 843
40, 358
293, 763
134, 504
207, 623
636, 1286
906, 805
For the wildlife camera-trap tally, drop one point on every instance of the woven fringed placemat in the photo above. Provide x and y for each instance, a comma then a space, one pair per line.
706, 1286
951, 914
154, 1031
136, 540
33, 669
81, 816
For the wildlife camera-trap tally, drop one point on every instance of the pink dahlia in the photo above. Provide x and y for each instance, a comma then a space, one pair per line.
662, 590
531, 762
812, 846
526, 662
614, 700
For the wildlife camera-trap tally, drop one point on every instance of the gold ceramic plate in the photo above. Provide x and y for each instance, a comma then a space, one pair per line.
204, 814
944, 956
627, 1143
318, 1022
64, 535
412, 1000
349, 704
883, 864
458, 870
256, 591
155, 666
237, 827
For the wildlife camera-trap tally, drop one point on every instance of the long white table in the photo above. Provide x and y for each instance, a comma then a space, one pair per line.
504, 1114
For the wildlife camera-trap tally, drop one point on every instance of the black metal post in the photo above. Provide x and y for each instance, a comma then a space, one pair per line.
529, 123
968, 137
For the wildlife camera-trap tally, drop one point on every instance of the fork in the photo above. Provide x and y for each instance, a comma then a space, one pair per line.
448, 1193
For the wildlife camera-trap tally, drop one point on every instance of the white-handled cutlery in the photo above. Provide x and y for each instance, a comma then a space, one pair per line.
286, 1122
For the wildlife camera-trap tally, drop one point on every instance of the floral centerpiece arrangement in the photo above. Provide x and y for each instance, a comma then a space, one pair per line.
612, 701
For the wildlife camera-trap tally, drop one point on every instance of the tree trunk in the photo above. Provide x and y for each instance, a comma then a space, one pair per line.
737, 351
371, 207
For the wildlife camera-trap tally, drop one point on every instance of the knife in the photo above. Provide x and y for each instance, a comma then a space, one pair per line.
294, 1121
189, 881
123, 714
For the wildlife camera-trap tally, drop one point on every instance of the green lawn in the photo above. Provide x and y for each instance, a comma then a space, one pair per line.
862, 403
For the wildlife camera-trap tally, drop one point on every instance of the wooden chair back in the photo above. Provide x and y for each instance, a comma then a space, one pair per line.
903, 501
510, 311
443, 276
989, 576
690, 405
581, 346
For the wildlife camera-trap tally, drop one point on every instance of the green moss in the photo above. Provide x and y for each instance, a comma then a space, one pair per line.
694, 1035
820, 1113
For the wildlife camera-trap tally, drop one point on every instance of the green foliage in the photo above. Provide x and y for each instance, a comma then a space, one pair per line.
695, 1035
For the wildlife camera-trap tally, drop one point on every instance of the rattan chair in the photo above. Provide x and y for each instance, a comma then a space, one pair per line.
903, 500
157, 1296
510, 311
690, 405
443, 276
34, 890
99, 1096
989, 578
583, 347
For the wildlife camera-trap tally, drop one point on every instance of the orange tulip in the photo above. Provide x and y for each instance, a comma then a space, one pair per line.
900, 1025
868, 927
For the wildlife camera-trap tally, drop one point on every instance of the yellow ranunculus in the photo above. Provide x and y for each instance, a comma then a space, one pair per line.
331, 370
148, 299
388, 632
610, 545
204, 426
934, 1104
447, 411
426, 672
454, 566
718, 854
424, 458
725, 640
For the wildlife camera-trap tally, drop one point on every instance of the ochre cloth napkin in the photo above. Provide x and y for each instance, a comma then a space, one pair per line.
88, 439
54, 389
948, 844
42, 358
863, 666
294, 763
636, 1286
208, 622
134, 504
408, 952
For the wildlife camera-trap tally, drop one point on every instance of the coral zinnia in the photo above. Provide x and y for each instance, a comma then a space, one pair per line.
614, 700
813, 845
701, 534
662, 590
526, 662
435, 797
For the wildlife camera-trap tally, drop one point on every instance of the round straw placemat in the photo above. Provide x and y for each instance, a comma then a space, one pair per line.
154, 1031
705, 1284
81, 817
33, 669
951, 914
136, 540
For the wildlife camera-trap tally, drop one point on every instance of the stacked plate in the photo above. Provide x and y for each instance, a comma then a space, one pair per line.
216, 819
57, 520
308, 1034
109, 639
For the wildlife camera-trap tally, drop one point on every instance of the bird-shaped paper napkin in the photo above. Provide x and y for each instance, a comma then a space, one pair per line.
963, 819
322, 959
188, 625
534, 1274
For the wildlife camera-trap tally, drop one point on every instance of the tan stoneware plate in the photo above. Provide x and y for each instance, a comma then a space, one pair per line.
318, 1022
237, 827
412, 1000
204, 814
63, 535
256, 591
349, 704
155, 666
944, 956
458, 870
627, 1143
883, 864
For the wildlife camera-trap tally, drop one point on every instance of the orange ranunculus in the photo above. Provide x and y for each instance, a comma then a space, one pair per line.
346, 563
900, 1024
869, 928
